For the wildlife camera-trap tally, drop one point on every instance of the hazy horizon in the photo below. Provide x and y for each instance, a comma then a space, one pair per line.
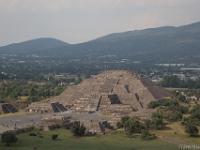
76, 21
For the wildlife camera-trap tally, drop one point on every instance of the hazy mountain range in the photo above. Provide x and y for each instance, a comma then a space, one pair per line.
154, 43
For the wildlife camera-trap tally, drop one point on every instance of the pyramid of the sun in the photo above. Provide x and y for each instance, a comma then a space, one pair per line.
114, 93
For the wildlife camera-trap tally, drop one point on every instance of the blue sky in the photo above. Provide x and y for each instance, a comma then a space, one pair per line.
77, 21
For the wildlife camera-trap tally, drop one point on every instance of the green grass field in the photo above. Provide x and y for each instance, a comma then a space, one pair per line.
114, 141
168, 139
176, 134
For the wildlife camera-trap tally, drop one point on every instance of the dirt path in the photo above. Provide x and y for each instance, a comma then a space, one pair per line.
173, 140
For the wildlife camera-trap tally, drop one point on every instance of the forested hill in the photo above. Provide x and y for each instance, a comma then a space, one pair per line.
34, 46
153, 44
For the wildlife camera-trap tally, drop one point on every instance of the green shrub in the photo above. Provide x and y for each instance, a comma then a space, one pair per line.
157, 121
124, 119
173, 112
119, 125
162, 102
147, 124
147, 136
182, 98
182, 109
78, 129
191, 130
8, 138
191, 120
172, 116
178, 108
54, 136
132, 126
32, 134
195, 112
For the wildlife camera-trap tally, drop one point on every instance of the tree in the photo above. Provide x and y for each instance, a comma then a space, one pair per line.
124, 119
163, 103
172, 116
195, 112
191, 130
54, 137
8, 138
191, 120
132, 126
119, 125
147, 136
78, 129
157, 120
147, 124
182, 98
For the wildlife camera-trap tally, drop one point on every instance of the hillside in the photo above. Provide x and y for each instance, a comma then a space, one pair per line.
156, 44
137, 50
34, 46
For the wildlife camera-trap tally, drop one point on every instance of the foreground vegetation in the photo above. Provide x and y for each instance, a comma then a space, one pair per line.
174, 123
66, 140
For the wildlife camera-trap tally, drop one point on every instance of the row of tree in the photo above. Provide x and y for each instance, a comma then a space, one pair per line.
13, 90
175, 82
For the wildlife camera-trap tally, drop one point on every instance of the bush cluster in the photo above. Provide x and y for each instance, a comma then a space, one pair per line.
78, 129
162, 102
8, 138
54, 137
